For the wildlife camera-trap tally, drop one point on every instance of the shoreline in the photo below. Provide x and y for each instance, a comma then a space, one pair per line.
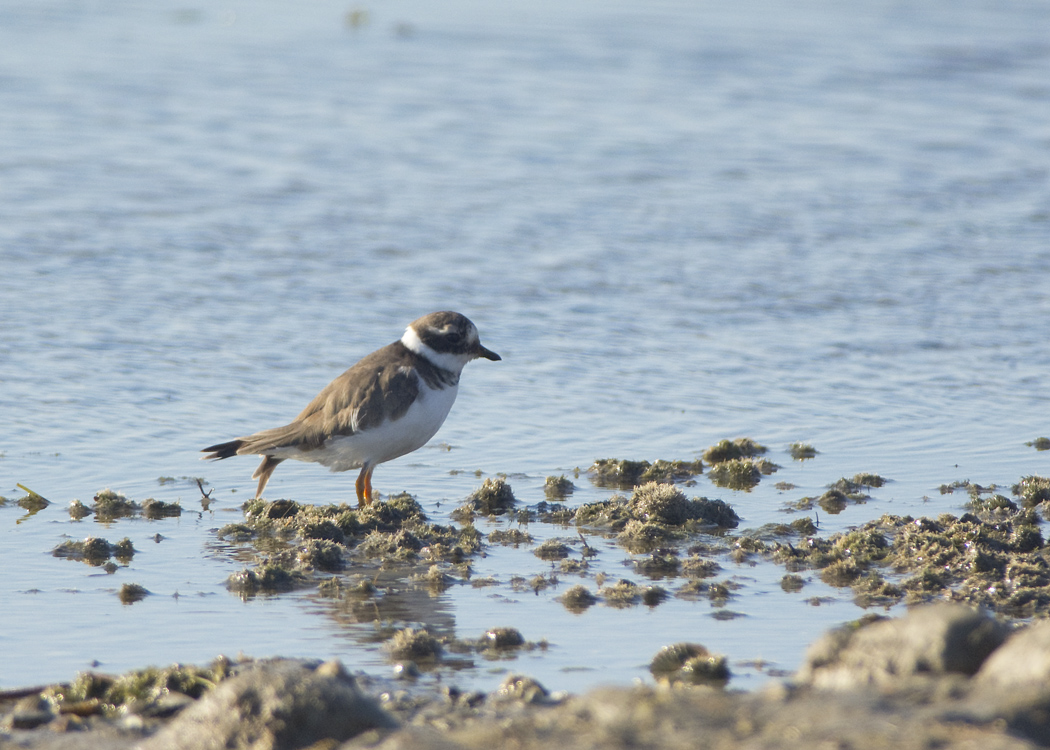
942, 674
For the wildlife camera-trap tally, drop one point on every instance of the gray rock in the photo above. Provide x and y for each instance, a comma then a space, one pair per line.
278, 705
1023, 661
934, 639
1014, 684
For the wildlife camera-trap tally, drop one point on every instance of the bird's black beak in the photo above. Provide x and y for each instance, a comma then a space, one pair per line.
487, 354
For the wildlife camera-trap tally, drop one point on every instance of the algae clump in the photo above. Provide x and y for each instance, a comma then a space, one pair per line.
726, 450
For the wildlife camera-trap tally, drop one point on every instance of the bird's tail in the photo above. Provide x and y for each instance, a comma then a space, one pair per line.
223, 450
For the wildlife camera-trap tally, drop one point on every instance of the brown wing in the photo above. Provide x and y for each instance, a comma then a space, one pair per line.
381, 386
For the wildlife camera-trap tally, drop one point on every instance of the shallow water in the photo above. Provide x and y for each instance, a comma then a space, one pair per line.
676, 222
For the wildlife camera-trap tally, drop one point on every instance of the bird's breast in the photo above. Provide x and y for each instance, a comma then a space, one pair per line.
391, 438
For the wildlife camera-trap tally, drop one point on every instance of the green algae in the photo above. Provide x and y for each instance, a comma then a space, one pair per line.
552, 549
833, 501
653, 596
535, 584
509, 537
661, 503
322, 554
32, 501
972, 489
621, 594
993, 504
855, 487
555, 514
1032, 490
625, 474
663, 563
132, 592
802, 451
643, 536
156, 509
417, 645
696, 566
493, 498
841, 494
501, 639
672, 471
578, 599
558, 488
95, 550
994, 558
268, 578
436, 579
719, 593
109, 505
236, 532
657, 503
728, 450
140, 689
617, 473
77, 510
736, 474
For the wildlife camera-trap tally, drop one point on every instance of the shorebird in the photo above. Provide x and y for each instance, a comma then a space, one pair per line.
388, 404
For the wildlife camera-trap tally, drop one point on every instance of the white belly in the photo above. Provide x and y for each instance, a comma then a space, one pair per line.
390, 439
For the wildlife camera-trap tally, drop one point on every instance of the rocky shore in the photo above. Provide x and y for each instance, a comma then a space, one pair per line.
943, 675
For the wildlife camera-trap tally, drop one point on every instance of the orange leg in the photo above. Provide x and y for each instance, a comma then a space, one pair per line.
364, 487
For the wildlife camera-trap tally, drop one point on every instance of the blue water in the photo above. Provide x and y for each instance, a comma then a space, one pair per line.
676, 221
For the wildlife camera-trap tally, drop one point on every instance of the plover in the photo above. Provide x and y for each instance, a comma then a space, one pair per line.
388, 404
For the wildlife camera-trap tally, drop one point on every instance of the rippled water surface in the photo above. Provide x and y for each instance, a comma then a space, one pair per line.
677, 222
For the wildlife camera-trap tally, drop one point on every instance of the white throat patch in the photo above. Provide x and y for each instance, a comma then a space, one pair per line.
445, 360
